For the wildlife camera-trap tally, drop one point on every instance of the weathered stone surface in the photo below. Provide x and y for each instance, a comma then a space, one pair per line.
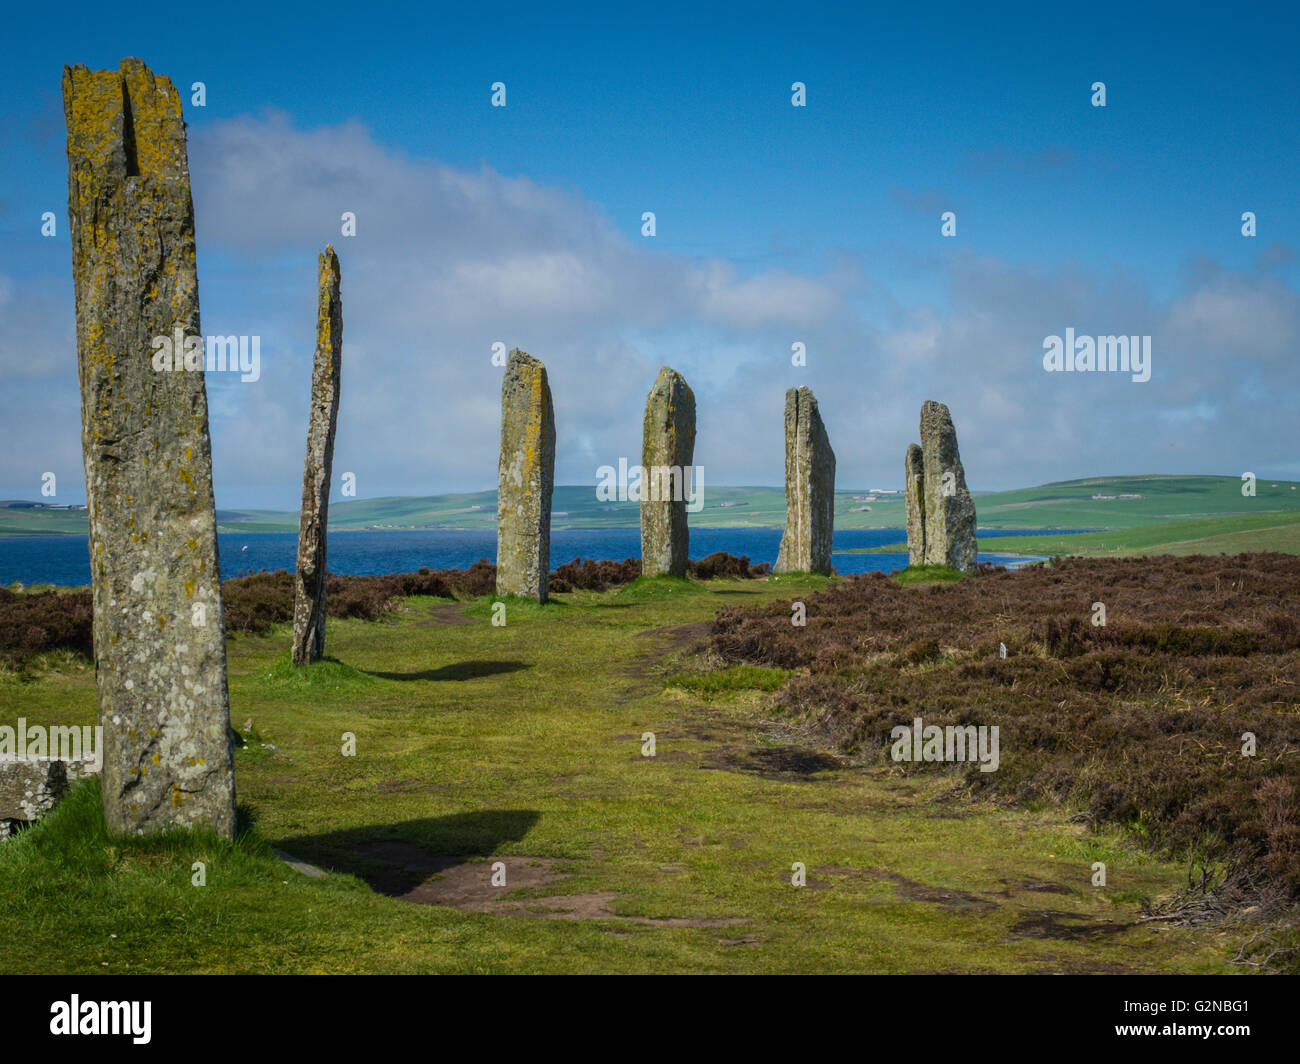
947, 535
667, 457
30, 789
526, 474
309, 588
809, 488
160, 654
914, 493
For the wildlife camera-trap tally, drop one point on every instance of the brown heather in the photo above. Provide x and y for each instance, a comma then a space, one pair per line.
32, 623
1139, 722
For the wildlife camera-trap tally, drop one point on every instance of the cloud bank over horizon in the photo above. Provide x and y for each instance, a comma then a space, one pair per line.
448, 260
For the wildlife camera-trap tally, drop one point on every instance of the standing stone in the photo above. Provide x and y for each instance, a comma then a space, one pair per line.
947, 533
914, 493
309, 588
667, 459
525, 476
809, 488
159, 631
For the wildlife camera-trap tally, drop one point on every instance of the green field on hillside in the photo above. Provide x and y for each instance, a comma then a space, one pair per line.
1065, 505
1278, 531
1163, 498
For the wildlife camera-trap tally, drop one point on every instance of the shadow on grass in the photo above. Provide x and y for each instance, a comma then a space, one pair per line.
464, 670
777, 762
393, 859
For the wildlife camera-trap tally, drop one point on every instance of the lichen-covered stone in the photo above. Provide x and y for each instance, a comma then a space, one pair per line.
526, 475
948, 535
809, 488
309, 588
667, 457
30, 789
914, 493
160, 653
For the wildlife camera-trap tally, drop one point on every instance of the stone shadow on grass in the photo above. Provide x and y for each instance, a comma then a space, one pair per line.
462, 670
394, 859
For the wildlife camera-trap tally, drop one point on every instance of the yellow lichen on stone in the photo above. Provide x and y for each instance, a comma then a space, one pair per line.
133, 256
159, 125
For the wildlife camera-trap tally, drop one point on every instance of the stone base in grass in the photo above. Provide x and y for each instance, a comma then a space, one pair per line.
30, 789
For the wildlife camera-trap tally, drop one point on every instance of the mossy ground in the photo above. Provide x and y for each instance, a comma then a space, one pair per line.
927, 574
524, 743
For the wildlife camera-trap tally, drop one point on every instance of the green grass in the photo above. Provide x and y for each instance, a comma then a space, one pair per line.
523, 743
927, 574
325, 675
517, 607
1279, 531
659, 589
740, 678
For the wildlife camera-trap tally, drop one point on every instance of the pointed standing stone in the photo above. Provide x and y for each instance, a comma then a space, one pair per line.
809, 488
667, 458
309, 588
946, 532
525, 476
914, 491
159, 632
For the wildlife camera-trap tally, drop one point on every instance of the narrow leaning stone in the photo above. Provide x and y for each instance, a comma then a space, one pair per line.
809, 488
914, 492
667, 458
309, 588
160, 654
525, 476
949, 509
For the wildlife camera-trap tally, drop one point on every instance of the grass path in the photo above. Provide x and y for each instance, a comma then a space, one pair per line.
523, 744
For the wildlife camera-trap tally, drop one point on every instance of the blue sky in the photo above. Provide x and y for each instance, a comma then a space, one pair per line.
775, 224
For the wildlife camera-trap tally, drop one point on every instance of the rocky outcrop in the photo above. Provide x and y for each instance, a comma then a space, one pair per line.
667, 457
30, 789
526, 475
160, 654
309, 588
941, 527
809, 488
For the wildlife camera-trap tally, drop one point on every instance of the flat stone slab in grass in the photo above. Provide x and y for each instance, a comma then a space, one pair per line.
301, 867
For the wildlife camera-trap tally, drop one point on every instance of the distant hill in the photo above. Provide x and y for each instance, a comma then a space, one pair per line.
1125, 502
1238, 534
1072, 504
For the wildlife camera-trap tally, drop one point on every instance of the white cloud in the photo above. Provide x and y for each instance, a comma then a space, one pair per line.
446, 262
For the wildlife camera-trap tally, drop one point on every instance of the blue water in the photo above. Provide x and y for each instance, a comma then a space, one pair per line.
65, 559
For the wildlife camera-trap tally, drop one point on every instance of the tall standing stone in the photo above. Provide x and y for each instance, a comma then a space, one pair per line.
309, 588
809, 488
159, 632
525, 477
667, 459
946, 533
914, 494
